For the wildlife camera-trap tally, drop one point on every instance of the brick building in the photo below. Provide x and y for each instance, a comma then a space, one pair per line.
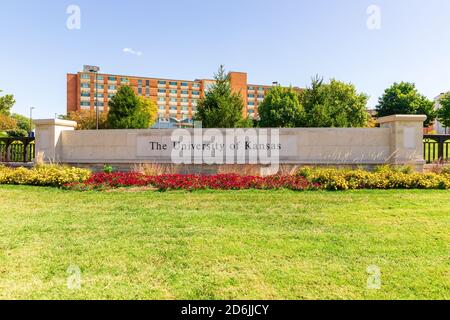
176, 99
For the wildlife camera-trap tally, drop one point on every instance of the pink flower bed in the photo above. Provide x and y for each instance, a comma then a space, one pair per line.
100, 181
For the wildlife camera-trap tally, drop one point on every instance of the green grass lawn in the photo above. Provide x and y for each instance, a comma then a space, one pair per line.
224, 245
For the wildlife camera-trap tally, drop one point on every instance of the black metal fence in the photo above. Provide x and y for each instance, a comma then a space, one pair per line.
436, 148
17, 149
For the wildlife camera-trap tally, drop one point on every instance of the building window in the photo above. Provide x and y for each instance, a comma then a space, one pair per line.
162, 108
184, 84
196, 93
110, 95
100, 86
173, 108
184, 108
85, 104
251, 96
100, 78
112, 87
173, 91
85, 76
139, 91
125, 80
161, 90
251, 88
184, 100
162, 99
85, 85
140, 82
147, 91
260, 96
111, 78
260, 89
251, 104
184, 92
251, 111
161, 82
147, 83
196, 85
173, 83
85, 94
173, 100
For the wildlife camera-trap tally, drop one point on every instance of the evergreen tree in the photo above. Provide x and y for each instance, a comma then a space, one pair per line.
221, 108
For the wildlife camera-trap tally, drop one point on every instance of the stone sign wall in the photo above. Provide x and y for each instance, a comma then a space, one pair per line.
397, 141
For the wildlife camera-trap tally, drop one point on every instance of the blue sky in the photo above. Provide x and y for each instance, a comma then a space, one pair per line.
285, 40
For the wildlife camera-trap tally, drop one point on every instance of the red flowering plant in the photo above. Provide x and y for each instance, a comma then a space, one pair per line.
101, 181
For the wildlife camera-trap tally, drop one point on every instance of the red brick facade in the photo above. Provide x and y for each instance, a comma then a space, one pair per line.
175, 98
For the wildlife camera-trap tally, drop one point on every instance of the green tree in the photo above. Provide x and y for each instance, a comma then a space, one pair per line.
23, 123
221, 108
7, 123
6, 103
336, 104
404, 98
443, 113
149, 111
87, 120
128, 111
280, 109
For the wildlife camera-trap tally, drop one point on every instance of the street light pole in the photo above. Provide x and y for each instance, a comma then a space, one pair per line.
96, 99
31, 121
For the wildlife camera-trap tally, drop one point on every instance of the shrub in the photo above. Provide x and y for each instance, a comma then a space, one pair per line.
446, 170
384, 177
47, 175
107, 168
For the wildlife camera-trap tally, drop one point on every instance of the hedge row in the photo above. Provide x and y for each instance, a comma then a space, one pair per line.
383, 178
47, 175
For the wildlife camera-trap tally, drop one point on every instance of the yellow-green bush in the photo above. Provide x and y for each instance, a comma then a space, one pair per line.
382, 178
47, 175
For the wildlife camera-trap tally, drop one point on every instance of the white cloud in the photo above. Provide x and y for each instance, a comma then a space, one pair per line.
132, 51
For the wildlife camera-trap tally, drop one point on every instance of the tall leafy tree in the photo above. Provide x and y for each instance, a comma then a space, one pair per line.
404, 98
443, 113
6, 103
12, 124
221, 108
281, 108
7, 123
23, 123
149, 110
87, 120
128, 111
336, 104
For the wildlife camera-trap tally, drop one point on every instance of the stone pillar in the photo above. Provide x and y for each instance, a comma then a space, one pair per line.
406, 139
48, 138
